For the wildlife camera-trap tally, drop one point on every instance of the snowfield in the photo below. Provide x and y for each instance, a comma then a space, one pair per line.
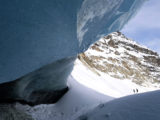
105, 84
93, 97
144, 106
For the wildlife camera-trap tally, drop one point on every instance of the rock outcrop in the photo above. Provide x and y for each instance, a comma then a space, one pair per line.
123, 58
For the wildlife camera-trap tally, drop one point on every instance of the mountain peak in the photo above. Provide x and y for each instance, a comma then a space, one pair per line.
123, 58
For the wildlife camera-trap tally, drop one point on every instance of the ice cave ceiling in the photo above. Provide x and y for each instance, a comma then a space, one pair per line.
36, 33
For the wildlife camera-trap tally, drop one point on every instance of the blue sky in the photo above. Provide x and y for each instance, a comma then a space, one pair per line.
145, 26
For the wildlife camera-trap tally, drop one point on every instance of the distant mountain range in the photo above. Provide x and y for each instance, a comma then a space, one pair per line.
123, 58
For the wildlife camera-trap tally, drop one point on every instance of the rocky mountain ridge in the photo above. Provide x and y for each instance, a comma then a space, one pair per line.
123, 58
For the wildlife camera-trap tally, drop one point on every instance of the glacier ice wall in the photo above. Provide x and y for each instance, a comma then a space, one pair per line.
97, 18
35, 33
45, 85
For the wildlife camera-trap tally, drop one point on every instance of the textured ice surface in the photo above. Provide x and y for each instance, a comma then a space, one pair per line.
45, 85
35, 33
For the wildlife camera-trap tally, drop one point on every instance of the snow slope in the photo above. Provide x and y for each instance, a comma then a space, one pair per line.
87, 90
144, 106
105, 84
79, 98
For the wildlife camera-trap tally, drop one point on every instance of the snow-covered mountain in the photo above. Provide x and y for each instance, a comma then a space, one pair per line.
123, 58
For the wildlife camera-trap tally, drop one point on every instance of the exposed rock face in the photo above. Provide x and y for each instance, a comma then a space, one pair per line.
123, 58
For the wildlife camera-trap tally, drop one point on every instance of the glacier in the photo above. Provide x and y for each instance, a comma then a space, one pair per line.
37, 34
